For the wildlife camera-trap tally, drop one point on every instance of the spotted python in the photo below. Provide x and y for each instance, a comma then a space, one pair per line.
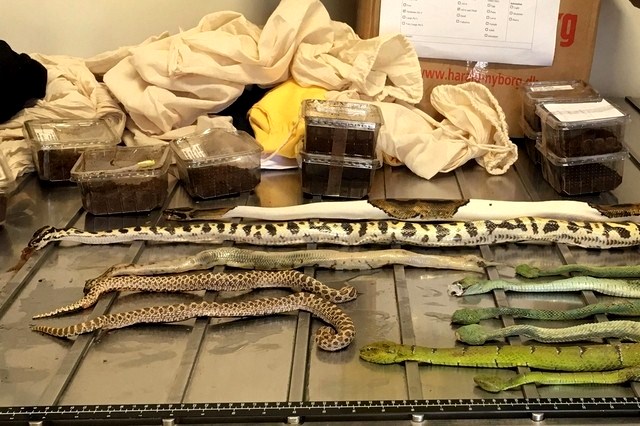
583, 234
612, 287
475, 315
475, 334
326, 337
206, 281
592, 364
280, 260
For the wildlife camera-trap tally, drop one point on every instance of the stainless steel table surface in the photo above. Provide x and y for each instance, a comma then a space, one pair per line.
270, 359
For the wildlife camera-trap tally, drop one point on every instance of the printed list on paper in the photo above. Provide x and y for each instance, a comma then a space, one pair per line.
505, 31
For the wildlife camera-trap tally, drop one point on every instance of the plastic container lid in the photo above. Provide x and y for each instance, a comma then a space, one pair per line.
356, 115
351, 162
539, 91
214, 146
121, 162
57, 134
578, 115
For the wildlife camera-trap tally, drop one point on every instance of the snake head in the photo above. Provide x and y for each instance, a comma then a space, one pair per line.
178, 213
527, 271
42, 237
472, 334
466, 316
381, 352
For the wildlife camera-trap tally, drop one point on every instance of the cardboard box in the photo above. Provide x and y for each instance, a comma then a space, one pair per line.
575, 43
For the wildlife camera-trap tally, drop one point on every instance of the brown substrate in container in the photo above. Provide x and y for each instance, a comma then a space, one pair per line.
219, 180
134, 195
582, 178
336, 181
357, 143
585, 142
56, 164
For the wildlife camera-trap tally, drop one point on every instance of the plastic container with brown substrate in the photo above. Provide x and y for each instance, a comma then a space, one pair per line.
123, 179
341, 128
583, 175
345, 177
534, 93
7, 185
217, 163
582, 129
56, 145
531, 138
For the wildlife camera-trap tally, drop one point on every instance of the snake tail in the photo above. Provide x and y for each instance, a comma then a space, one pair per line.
327, 338
474, 315
613, 271
223, 281
590, 357
497, 383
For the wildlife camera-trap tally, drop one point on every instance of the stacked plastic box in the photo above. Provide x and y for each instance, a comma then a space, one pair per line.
582, 146
339, 154
535, 93
56, 145
217, 162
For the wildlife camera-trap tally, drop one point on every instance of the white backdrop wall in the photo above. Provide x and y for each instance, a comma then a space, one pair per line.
87, 27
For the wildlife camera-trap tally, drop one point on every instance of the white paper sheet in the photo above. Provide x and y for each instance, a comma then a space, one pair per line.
505, 31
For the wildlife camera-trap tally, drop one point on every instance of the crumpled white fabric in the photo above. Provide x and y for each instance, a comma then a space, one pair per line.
474, 127
166, 84
72, 92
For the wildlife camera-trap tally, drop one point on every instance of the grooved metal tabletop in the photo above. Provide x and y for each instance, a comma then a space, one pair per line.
268, 359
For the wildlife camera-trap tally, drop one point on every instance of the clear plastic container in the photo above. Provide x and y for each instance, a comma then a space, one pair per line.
582, 175
123, 179
56, 145
346, 177
536, 92
531, 138
582, 129
7, 185
341, 128
217, 162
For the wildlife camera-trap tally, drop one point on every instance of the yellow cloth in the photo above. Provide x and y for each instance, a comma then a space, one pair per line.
276, 119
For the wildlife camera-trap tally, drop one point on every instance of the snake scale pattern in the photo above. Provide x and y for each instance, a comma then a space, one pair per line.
222, 281
281, 260
474, 334
609, 271
612, 287
326, 337
474, 315
448, 234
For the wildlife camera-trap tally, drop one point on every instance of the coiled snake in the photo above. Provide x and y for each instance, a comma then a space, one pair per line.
599, 363
326, 338
449, 234
207, 281
475, 315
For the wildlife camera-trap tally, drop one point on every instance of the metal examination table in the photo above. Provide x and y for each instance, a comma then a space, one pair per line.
268, 369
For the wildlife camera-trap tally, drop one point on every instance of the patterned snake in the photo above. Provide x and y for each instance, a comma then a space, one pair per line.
475, 315
618, 363
450, 234
609, 271
474, 334
613, 287
280, 260
206, 281
326, 338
